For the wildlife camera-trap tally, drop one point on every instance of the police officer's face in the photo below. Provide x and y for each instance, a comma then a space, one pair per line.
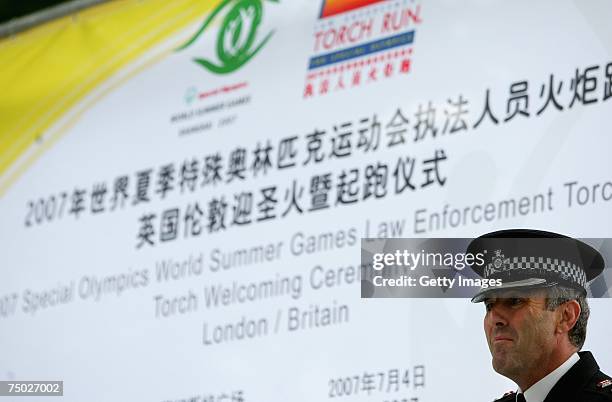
520, 331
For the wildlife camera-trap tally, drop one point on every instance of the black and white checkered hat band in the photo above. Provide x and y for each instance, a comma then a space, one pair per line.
564, 269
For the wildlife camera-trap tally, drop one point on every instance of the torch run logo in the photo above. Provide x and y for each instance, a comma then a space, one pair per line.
361, 42
237, 37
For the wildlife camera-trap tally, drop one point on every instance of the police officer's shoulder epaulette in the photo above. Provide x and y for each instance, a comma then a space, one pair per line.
508, 396
602, 386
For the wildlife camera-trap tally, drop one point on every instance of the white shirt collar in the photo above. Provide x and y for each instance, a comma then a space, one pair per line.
538, 391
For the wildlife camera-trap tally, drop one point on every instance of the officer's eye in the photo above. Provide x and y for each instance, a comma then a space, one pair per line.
515, 301
488, 305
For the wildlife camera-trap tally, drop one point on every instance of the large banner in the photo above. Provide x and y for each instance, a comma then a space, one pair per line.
184, 186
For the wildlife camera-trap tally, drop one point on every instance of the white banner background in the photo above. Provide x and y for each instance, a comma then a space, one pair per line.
117, 349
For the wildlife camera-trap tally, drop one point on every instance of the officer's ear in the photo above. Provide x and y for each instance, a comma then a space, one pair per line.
568, 314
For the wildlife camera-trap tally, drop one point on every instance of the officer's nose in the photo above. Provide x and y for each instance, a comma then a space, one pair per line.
496, 316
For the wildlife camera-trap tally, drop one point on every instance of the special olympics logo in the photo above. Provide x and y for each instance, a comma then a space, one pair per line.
237, 36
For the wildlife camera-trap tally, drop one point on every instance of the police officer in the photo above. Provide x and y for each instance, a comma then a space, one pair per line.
535, 321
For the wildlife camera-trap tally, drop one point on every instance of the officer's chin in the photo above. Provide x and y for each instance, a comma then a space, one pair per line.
504, 364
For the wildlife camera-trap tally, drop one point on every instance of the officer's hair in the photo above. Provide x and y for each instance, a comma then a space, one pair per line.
558, 295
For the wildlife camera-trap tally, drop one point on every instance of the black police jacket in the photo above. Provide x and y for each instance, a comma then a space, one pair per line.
584, 382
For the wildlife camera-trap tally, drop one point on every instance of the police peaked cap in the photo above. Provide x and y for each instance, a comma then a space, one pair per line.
531, 259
